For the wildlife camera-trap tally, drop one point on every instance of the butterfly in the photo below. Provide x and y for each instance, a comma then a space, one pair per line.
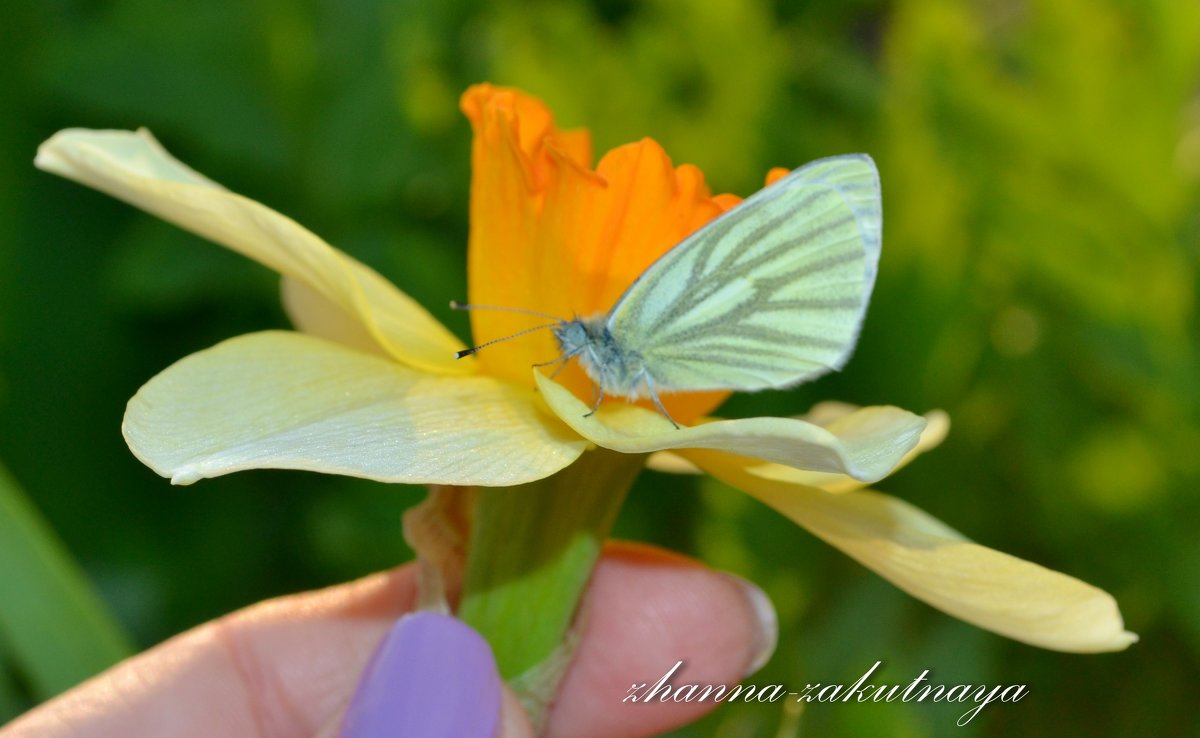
769, 294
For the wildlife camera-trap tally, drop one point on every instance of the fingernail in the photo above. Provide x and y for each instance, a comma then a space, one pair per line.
768, 623
431, 676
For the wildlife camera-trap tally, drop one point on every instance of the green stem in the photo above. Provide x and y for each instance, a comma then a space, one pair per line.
531, 553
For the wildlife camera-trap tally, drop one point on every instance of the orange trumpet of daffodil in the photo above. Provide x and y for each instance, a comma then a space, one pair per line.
369, 385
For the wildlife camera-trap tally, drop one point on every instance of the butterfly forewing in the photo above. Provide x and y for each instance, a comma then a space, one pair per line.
771, 293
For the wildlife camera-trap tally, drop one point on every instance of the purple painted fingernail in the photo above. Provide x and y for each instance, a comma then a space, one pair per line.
431, 676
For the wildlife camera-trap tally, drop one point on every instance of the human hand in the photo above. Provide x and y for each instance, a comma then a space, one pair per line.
288, 667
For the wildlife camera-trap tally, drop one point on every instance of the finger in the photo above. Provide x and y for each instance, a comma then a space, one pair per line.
645, 610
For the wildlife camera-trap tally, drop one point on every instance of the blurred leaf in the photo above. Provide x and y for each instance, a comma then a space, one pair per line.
141, 62
699, 77
52, 622
155, 265
11, 703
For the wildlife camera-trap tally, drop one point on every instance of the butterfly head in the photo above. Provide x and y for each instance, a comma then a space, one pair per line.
613, 368
572, 336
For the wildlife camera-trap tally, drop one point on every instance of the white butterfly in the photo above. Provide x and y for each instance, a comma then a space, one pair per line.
768, 295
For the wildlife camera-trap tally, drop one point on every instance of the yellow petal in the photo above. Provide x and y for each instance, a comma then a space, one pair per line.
283, 400
670, 462
937, 425
314, 314
865, 445
133, 166
936, 564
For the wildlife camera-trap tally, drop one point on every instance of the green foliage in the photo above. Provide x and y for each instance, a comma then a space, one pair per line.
54, 631
1041, 165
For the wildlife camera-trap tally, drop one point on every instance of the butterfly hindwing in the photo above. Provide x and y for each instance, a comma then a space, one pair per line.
771, 293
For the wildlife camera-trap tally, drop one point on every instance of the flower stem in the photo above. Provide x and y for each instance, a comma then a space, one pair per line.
531, 553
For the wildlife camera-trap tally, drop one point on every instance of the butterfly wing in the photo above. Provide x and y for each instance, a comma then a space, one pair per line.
771, 293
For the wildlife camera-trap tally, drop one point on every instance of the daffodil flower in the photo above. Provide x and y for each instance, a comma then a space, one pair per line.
369, 385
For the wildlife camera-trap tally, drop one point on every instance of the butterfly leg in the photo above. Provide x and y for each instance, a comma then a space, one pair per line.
596, 405
561, 361
657, 402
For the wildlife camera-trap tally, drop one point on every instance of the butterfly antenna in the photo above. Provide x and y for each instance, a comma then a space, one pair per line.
456, 305
473, 349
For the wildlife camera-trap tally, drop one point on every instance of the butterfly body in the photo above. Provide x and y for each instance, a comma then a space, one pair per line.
614, 368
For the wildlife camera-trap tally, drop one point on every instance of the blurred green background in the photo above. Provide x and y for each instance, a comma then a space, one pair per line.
1040, 161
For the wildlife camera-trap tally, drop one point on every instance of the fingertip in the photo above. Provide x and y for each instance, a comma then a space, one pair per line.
763, 612
646, 610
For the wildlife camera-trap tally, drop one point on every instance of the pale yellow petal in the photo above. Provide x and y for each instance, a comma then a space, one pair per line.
937, 425
314, 314
865, 445
936, 564
670, 462
284, 400
133, 167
